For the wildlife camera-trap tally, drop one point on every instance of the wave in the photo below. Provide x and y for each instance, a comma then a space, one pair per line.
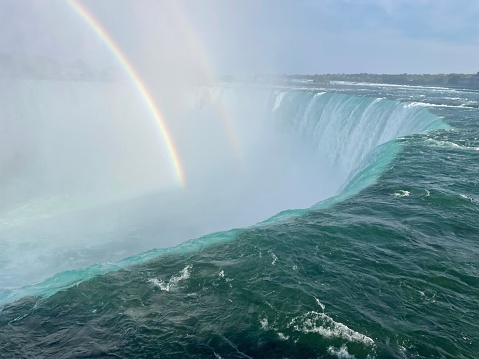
427, 104
373, 84
351, 136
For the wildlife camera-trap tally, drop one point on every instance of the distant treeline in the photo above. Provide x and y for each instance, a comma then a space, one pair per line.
42, 67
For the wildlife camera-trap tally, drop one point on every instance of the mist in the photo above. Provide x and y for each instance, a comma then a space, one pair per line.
86, 179
86, 176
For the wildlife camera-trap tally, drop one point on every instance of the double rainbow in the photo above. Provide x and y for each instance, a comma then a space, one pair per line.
136, 80
201, 55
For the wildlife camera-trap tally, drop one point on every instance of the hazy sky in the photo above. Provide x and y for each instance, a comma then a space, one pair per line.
255, 36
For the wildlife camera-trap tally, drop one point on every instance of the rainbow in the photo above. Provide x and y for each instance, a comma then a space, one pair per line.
201, 56
135, 78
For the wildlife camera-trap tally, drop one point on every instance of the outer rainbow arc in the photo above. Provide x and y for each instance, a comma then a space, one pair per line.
135, 78
198, 49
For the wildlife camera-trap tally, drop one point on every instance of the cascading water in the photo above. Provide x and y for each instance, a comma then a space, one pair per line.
295, 149
339, 130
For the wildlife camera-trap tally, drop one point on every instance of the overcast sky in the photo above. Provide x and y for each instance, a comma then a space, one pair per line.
255, 36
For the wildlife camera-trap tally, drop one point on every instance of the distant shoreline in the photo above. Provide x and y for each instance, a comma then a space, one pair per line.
466, 82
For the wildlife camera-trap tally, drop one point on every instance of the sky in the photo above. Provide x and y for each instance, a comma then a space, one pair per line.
242, 37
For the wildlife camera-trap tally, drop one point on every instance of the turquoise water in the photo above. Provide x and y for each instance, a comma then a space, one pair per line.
385, 267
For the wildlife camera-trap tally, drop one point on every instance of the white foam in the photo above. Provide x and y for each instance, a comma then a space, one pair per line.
466, 197
428, 298
324, 325
427, 104
174, 280
275, 258
451, 144
323, 307
374, 84
402, 193
341, 353
159, 283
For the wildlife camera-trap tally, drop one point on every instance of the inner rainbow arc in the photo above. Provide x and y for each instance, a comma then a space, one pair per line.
141, 87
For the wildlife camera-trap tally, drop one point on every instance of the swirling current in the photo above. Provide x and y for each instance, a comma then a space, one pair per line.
382, 265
